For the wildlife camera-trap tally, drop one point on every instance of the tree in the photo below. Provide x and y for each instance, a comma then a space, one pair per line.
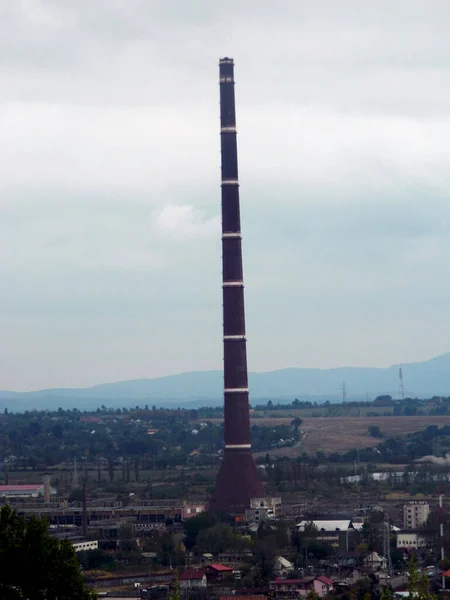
418, 584
374, 431
215, 539
174, 592
194, 525
386, 593
34, 564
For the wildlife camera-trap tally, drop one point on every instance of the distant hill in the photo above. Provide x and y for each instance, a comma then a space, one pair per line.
425, 379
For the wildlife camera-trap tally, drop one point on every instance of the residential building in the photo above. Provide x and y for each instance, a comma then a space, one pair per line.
192, 578
406, 540
294, 588
282, 566
415, 514
216, 571
375, 562
323, 586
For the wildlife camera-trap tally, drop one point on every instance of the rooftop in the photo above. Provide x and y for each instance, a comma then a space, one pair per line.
191, 574
338, 525
221, 568
35, 487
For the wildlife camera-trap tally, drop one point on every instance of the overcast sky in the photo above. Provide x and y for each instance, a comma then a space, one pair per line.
110, 184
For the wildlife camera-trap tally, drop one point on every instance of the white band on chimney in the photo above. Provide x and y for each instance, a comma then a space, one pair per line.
226, 79
233, 284
236, 234
236, 390
238, 446
230, 182
231, 129
234, 338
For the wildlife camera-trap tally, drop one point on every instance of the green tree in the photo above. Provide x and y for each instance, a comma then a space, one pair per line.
215, 539
418, 584
386, 593
194, 525
174, 592
35, 565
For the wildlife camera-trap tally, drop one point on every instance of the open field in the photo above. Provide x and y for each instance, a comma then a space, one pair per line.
339, 434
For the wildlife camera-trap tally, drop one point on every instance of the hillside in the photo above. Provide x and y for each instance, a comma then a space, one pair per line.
424, 379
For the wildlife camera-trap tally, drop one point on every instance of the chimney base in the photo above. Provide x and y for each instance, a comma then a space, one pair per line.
237, 482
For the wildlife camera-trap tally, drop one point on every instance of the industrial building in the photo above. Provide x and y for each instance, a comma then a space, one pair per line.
24, 491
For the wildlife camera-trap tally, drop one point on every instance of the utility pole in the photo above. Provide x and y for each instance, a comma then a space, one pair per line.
400, 377
344, 392
441, 536
387, 544
75, 474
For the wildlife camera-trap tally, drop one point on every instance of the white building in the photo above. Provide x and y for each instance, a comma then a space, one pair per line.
375, 561
334, 532
415, 514
85, 545
282, 566
410, 539
263, 508
24, 491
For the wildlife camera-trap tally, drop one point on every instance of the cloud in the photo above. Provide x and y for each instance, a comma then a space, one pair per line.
186, 222
110, 187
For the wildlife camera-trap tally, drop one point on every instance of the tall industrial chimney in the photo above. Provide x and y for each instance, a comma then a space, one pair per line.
238, 479
47, 489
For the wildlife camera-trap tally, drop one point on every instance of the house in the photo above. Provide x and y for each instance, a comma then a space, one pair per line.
282, 566
192, 578
323, 586
216, 571
375, 562
406, 540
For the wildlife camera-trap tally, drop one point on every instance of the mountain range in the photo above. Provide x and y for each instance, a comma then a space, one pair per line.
193, 389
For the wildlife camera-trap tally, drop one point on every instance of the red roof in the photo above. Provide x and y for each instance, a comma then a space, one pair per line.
221, 568
191, 574
325, 580
21, 488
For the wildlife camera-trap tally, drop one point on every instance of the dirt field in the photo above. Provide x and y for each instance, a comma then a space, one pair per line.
338, 434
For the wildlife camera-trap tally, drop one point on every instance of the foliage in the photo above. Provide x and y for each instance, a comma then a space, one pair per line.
195, 525
34, 565
174, 592
374, 431
418, 584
